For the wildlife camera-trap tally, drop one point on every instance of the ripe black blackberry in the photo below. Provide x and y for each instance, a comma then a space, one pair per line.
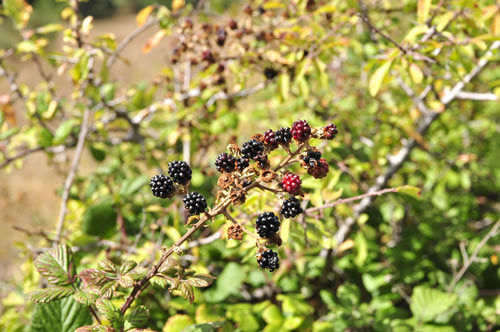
270, 139
283, 136
242, 163
262, 160
291, 208
270, 73
268, 224
162, 186
225, 163
179, 171
269, 260
252, 148
312, 157
195, 203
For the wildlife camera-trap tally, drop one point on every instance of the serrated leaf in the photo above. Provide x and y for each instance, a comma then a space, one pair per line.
50, 294
95, 328
138, 317
126, 281
56, 265
201, 280
158, 282
187, 291
127, 267
85, 297
64, 315
107, 289
112, 313
108, 267
91, 277
378, 77
428, 303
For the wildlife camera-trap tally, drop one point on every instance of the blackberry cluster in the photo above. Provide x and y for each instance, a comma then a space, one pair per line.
242, 163
180, 172
301, 131
283, 136
291, 183
162, 186
269, 260
291, 208
252, 148
270, 139
225, 163
330, 131
312, 158
268, 224
195, 203
262, 160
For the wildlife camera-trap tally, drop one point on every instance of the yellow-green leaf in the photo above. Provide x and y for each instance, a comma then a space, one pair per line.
423, 9
416, 74
378, 77
143, 15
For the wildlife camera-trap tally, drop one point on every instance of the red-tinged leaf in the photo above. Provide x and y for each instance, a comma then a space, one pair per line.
56, 265
127, 267
85, 297
154, 41
201, 280
107, 266
187, 291
92, 277
126, 281
106, 290
50, 294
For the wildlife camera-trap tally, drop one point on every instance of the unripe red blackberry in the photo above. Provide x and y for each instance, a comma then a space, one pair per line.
283, 136
269, 260
208, 56
291, 183
291, 208
301, 130
252, 148
162, 186
320, 170
268, 224
312, 157
225, 163
195, 203
233, 25
270, 73
242, 163
270, 139
179, 171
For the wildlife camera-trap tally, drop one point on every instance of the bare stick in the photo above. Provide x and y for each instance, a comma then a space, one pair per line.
20, 155
84, 128
469, 260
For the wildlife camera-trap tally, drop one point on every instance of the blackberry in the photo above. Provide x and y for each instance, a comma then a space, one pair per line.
301, 130
312, 157
330, 131
291, 208
179, 171
162, 186
195, 203
283, 136
242, 163
208, 56
270, 73
262, 160
291, 183
221, 36
268, 224
269, 260
270, 139
225, 163
320, 170
252, 148
233, 25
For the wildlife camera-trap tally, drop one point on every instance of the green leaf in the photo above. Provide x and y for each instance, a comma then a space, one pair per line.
187, 291
112, 313
201, 280
85, 297
56, 265
177, 323
62, 316
427, 303
284, 86
127, 267
242, 314
98, 154
410, 190
107, 266
158, 282
229, 282
95, 328
423, 9
272, 315
138, 317
378, 77
361, 249
204, 327
100, 219
19, 11
133, 185
63, 131
50, 294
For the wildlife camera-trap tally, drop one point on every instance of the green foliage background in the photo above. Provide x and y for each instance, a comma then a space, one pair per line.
394, 271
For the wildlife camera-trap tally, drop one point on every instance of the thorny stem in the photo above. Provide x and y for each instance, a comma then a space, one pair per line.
285, 162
